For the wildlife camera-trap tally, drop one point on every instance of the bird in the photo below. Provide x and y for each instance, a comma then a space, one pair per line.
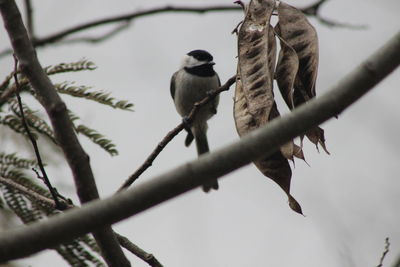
190, 84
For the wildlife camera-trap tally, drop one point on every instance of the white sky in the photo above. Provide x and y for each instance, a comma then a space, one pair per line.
351, 198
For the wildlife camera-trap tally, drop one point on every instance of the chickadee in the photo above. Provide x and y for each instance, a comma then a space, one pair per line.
190, 84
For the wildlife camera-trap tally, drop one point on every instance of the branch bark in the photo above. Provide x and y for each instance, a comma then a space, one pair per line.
22, 242
77, 159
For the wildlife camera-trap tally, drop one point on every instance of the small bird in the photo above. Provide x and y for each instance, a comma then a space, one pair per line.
190, 84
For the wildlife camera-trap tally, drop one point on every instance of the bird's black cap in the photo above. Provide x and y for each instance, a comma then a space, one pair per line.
201, 55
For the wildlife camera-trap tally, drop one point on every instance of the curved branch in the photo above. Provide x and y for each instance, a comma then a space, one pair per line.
77, 159
22, 242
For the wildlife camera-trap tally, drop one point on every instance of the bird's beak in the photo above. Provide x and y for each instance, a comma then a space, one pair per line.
211, 63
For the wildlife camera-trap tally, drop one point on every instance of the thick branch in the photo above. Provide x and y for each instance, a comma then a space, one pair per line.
77, 159
149, 161
29, 18
22, 242
39, 198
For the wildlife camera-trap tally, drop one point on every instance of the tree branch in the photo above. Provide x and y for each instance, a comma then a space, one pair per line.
29, 18
124, 241
43, 176
312, 10
22, 242
77, 159
105, 36
146, 257
385, 251
149, 161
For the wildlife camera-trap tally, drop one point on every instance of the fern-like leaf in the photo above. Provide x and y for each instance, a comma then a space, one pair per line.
6, 82
97, 96
34, 121
98, 139
14, 123
80, 65
7, 89
19, 177
89, 241
78, 252
14, 160
19, 205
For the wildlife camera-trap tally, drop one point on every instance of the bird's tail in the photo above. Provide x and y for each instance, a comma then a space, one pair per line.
200, 137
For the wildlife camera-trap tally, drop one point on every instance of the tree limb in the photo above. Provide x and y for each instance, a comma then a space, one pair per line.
29, 18
77, 159
22, 242
39, 198
312, 10
149, 161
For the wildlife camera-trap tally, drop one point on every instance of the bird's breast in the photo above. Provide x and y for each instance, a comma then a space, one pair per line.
191, 89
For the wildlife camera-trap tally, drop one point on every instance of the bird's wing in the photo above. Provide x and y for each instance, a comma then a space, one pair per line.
216, 99
172, 86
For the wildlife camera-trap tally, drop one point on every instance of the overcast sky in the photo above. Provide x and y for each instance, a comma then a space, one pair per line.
351, 198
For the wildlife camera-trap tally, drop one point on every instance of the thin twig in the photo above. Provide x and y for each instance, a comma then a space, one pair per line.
119, 28
43, 175
385, 251
131, 16
312, 10
140, 253
149, 161
29, 18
